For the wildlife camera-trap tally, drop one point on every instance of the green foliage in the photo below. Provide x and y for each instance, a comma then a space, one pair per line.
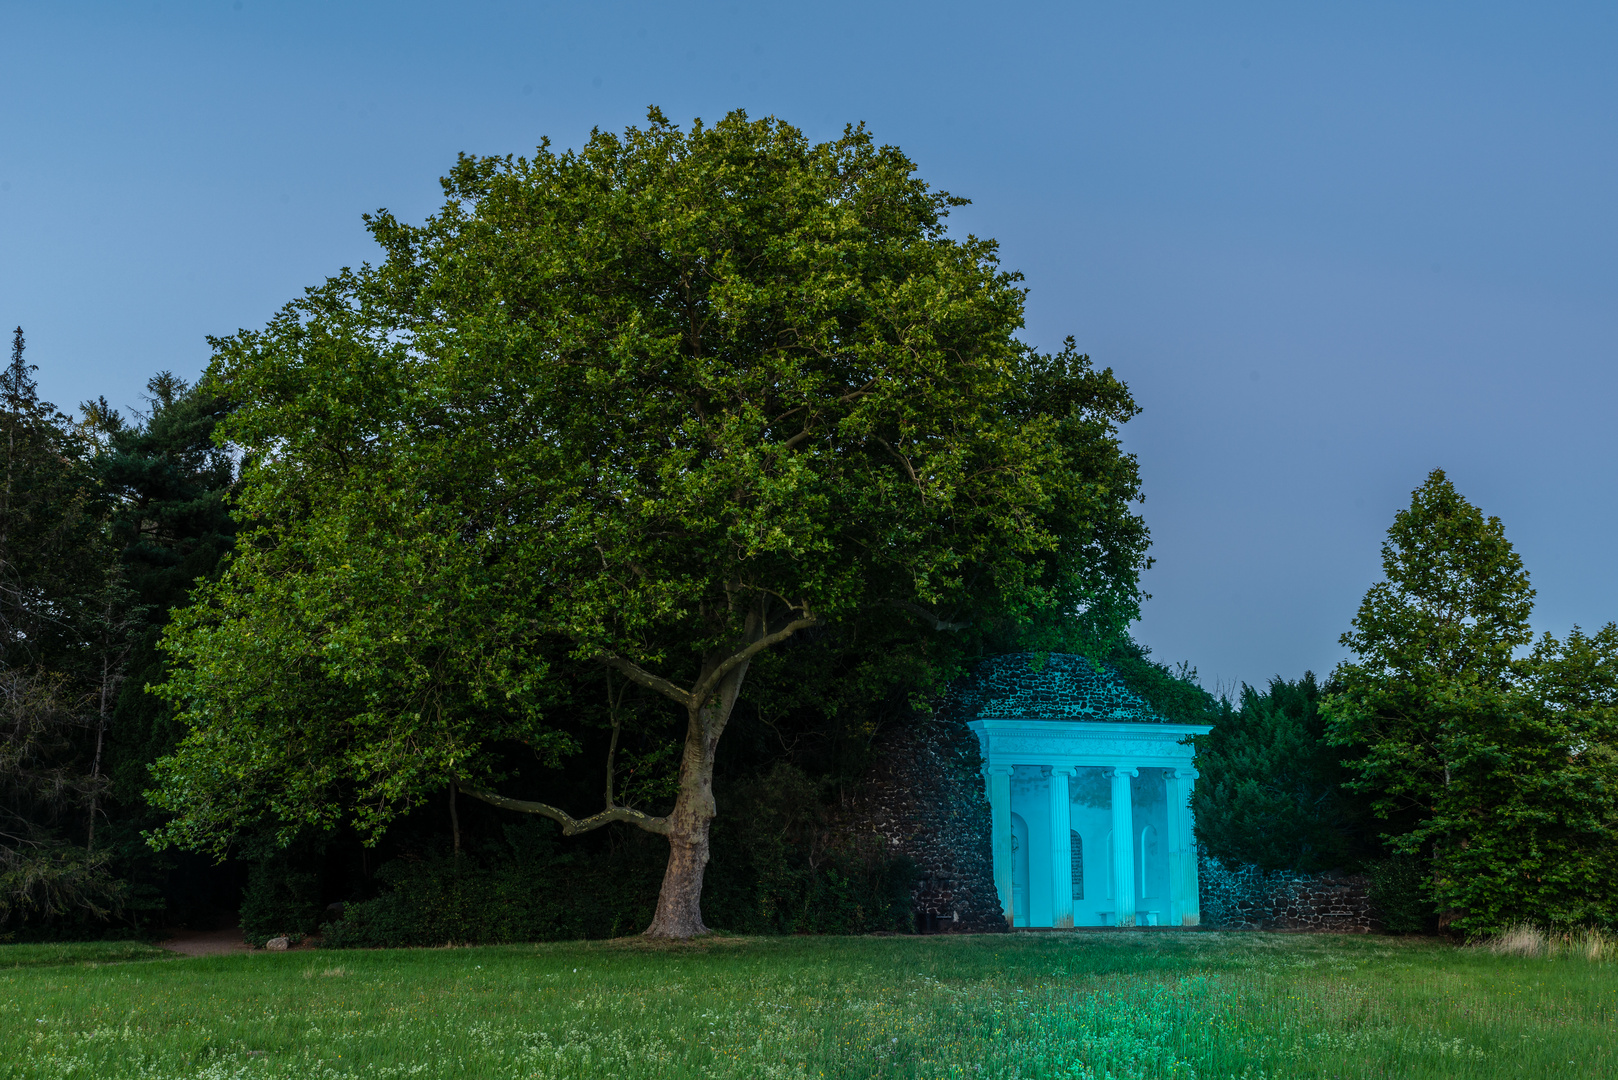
1495, 768
525, 888
1176, 695
784, 867
769, 878
54, 593
1272, 789
169, 526
169, 480
279, 900
1528, 830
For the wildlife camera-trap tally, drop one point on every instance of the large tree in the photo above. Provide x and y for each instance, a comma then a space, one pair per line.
1495, 765
654, 407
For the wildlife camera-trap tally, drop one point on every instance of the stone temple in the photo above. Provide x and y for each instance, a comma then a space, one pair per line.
1089, 795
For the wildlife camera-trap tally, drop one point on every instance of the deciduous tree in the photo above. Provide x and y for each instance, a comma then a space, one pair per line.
1493, 763
656, 406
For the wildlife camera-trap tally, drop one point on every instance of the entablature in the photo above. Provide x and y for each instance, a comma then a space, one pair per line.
1086, 743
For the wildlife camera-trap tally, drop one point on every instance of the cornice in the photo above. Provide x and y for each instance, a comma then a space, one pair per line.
1085, 743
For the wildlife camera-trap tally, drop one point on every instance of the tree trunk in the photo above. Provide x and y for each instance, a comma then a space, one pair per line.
679, 902
454, 820
95, 764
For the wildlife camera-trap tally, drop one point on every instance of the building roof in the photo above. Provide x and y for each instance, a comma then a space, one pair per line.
1050, 686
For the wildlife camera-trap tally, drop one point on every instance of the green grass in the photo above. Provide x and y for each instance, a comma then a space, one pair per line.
89, 953
1051, 1005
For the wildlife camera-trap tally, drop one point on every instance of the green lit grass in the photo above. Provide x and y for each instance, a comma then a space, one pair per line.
1051, 1005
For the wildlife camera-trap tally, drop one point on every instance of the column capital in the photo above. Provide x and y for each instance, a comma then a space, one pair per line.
998, 770
1066, 769
1119, 770
1185, 773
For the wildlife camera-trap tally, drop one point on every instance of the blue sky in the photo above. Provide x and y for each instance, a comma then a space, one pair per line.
1329, 246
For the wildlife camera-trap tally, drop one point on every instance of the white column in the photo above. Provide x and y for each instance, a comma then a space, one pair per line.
999, 778
1061, 847
1185, 907
1176, 842
1123, 848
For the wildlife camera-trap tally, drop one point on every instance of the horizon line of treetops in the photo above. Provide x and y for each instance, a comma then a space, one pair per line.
1470, 769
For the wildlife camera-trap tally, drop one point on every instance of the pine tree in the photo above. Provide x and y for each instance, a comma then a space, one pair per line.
52, 565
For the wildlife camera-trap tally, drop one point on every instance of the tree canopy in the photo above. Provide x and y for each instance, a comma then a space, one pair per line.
654, 406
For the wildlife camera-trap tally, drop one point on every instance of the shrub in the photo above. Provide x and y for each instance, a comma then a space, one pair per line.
1401, 895
523, 887
1273, 791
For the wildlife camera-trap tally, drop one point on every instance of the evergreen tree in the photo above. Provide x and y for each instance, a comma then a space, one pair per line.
1272, 789
52, 578
169, 526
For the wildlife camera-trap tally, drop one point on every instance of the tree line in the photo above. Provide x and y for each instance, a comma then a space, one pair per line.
105, 523
619, 441
564, 568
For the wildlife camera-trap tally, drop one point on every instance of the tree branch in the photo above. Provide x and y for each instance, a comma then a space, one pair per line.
647, 679
928, 617
572, 826
911, 472
706, 687
798, 439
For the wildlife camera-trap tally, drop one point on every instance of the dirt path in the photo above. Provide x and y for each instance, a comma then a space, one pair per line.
206, 942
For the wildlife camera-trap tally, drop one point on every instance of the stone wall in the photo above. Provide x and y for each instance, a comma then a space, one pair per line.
925, 797
1247, 898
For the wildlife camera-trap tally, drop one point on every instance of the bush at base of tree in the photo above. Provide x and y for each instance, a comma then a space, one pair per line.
784, 866
533, 886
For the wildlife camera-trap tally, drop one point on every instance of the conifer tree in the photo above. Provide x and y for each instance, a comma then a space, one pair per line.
51, 574
1272, 790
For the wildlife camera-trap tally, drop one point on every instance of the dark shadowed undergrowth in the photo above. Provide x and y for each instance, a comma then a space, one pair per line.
1052, 1005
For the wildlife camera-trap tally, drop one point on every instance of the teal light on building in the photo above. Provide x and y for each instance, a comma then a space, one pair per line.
1089, 795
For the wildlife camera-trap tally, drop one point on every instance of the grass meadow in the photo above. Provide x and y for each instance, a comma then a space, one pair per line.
1025, 1005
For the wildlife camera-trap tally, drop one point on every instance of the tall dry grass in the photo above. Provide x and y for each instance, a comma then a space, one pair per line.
1526, 939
